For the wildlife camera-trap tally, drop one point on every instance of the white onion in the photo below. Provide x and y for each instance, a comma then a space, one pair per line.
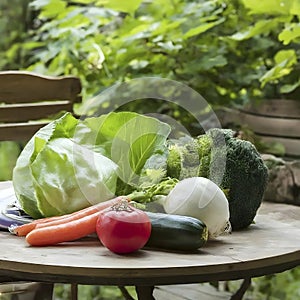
200, 198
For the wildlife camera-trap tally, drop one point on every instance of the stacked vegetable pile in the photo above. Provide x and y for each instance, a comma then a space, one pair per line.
76, 173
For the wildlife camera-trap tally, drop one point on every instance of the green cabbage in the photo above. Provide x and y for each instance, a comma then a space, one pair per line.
70, 164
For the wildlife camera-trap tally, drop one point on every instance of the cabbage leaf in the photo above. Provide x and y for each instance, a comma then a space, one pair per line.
70, 164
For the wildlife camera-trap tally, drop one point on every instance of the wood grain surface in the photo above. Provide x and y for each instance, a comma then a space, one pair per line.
275, 108
272, 121
24, 87
270, 245
26, 97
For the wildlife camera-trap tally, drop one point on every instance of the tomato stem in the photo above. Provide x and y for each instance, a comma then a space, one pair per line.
122, 205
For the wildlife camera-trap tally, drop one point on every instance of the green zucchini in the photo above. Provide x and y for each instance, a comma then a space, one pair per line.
175, 232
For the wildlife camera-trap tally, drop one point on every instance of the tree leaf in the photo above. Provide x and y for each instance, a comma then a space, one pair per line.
138, 64
53, 8
290, 34
262, 26
286, 55
295, 8
9, 152
202, 28
169, 46
284, 60
128, 6
271, 7
217, 61
38, 4
288, 88
82, 1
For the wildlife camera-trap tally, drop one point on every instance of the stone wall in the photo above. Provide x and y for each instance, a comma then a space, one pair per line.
284, 180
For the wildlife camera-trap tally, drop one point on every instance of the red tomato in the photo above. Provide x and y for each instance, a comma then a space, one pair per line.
123, 228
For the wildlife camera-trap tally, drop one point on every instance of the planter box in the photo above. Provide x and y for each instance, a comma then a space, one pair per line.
273, 121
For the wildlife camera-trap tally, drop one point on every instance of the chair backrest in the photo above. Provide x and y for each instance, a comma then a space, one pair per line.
28, 100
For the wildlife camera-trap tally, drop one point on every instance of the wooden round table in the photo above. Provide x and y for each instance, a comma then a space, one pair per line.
270, 245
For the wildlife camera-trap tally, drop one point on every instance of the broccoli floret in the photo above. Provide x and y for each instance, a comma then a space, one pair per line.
212, 156
183, 159
235, 165
174, 161
150, 193
154, 170
204, 144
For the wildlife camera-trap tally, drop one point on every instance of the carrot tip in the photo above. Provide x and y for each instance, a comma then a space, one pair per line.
13, 229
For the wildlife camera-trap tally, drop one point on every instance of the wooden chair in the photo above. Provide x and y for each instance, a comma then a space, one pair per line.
28, 100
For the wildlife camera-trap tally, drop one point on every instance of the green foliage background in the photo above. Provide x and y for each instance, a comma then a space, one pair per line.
231, 52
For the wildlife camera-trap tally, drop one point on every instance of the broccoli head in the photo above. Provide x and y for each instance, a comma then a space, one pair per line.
245, 177
235, 165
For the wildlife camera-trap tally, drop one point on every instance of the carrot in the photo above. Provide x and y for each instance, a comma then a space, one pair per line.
80, 214
64, 232
24, 229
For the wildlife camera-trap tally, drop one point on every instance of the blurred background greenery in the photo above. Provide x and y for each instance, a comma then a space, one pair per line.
232, 52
